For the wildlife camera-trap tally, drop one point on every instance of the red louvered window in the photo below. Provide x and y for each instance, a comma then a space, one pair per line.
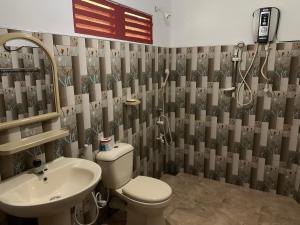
138, 26
104, 18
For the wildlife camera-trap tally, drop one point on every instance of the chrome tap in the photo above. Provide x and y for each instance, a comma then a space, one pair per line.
38, 167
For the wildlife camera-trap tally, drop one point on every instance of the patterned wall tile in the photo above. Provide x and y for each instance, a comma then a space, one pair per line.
254, 146
212, 136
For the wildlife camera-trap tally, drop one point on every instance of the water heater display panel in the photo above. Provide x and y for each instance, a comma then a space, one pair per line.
264, 25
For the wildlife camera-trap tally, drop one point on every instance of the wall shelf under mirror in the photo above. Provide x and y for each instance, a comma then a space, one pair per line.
29, 91
32, 141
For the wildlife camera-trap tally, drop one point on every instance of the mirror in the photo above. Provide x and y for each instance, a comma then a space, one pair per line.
28, 81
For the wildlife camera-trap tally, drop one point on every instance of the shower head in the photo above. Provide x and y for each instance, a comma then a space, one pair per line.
167, 72
240, 44
165, 14
237, 49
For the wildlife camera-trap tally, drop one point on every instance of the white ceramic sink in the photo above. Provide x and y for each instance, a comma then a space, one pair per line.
66, 183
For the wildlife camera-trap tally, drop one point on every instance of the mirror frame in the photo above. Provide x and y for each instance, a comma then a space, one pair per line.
34, 119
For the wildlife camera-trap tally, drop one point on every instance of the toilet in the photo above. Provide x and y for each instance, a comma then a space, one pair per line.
146, 197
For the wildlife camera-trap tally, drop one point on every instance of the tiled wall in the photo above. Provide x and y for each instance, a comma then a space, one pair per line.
95, 79
255, 146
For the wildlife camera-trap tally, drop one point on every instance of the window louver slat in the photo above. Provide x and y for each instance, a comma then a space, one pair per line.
139, 26
140, 34
106, 29
87, 6
87, 19
103, 4
107, 19
91, 14
137, 20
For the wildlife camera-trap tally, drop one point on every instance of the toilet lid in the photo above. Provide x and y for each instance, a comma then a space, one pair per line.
147, 189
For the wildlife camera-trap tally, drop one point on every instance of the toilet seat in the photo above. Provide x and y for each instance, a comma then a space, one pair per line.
147, 190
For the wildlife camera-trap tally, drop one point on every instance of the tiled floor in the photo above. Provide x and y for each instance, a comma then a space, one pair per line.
198, 201
118, 218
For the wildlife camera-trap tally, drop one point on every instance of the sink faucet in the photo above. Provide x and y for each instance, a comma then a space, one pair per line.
38, 167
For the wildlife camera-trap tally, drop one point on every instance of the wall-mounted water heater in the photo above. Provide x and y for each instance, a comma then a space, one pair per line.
265, 24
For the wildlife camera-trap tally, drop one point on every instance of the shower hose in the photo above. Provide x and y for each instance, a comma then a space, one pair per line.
244, 82
244, 77
163, 116
97, 200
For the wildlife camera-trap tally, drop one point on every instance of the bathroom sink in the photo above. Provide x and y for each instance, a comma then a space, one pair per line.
66, 182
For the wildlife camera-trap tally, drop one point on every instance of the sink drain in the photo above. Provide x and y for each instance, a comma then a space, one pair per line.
55, 197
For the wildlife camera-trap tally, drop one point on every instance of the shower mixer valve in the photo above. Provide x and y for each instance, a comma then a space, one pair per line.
161, 138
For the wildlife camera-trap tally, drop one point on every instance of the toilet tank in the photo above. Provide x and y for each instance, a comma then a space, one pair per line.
116, 165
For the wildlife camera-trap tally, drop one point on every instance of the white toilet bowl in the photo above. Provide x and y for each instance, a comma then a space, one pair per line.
146, 197
146, 200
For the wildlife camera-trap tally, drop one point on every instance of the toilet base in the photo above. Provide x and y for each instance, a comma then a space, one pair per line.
137, 216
